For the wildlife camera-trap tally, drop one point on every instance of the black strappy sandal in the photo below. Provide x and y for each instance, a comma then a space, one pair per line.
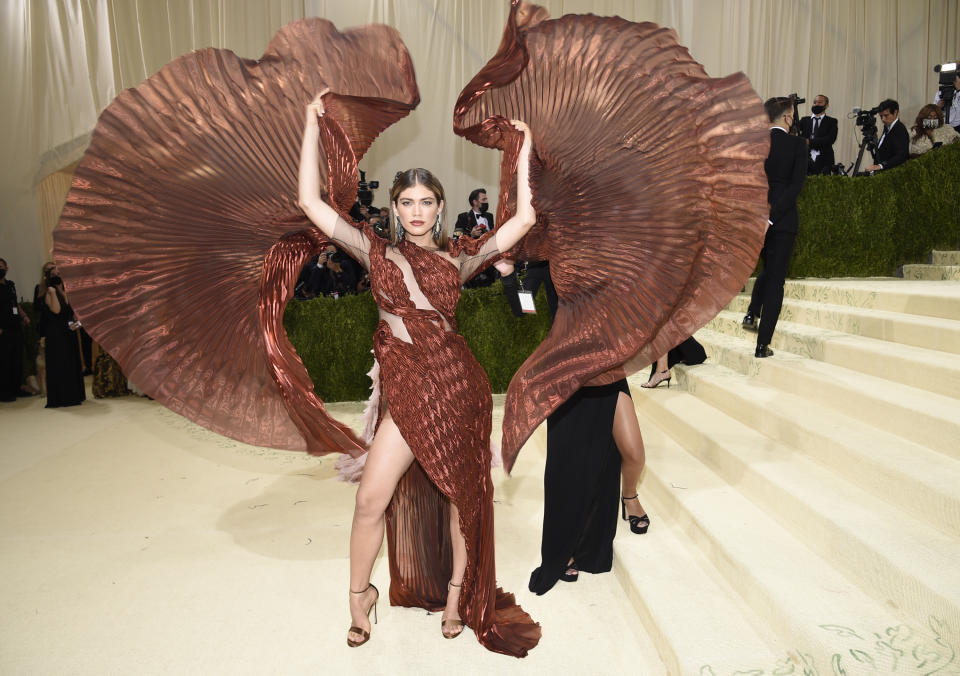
638, 524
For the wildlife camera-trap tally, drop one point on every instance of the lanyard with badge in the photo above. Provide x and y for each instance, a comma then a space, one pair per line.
526, 297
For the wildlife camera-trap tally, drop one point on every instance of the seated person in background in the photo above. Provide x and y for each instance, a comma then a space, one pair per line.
344, 273
820, 130
929, 131
380, 225
316, 279
894, 146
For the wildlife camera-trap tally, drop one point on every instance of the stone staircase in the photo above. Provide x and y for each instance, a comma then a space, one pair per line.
806, 507
943, 265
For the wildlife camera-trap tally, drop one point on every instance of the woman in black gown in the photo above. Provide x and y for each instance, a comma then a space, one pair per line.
64, 370
595, 456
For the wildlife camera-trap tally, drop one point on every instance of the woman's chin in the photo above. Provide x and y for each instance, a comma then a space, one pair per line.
418, 230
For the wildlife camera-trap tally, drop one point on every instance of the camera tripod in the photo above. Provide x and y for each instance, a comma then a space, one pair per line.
869, 142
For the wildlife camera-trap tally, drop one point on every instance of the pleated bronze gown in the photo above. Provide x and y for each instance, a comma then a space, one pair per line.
439, 397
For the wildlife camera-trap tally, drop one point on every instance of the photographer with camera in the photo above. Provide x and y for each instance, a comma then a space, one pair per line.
946, 96
893, 148
475, 223
478, 220
820, 130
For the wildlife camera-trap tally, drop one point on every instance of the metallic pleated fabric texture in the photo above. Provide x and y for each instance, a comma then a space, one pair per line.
648, 183
181, 239
439, 397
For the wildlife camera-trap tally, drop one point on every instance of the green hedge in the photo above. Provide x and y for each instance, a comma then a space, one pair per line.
870, 225
334, 338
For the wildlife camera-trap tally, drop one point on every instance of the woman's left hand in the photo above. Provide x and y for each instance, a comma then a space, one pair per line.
521, 126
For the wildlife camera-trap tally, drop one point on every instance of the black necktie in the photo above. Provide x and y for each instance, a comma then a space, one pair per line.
816, 125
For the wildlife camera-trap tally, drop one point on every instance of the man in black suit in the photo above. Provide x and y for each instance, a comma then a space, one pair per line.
478, 220
786, 168
820, 130
474, 223
893, 148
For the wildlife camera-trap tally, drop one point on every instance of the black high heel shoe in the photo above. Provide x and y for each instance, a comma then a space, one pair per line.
638, 524
571, 574
657, 378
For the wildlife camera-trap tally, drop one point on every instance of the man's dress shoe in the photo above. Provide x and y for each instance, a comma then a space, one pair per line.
763, 351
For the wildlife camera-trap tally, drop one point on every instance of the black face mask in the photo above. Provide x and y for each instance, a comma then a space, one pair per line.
818, 109
3, 273
484, 207
54, 280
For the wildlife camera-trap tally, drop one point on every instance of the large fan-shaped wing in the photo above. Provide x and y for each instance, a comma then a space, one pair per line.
181, 238
649, 186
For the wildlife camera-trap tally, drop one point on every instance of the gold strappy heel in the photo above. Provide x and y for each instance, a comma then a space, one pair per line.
451, 628
358, 630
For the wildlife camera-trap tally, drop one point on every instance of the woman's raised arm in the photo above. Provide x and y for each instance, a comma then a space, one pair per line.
319, 212
520, 223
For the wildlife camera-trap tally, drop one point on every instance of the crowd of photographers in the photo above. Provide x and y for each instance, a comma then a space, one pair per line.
890, 143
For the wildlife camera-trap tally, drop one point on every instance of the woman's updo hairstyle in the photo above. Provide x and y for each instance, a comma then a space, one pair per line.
407, 179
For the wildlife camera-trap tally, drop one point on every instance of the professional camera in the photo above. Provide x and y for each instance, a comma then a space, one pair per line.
365, 189
948, 71
797, 100
867, 121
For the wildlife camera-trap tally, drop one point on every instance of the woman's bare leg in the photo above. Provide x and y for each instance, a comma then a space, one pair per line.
389, 458
452, 611
626, 433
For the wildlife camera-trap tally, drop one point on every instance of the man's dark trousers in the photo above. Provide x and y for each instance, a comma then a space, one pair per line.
767, 297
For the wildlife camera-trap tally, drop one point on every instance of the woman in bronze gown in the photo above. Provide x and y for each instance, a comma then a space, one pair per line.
196, 169
435, 406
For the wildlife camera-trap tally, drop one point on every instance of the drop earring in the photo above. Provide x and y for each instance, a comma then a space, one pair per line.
437, 228
398, 228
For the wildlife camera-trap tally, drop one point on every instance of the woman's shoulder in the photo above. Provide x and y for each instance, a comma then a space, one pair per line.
946, 134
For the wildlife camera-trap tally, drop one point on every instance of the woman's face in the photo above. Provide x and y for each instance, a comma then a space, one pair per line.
417, 209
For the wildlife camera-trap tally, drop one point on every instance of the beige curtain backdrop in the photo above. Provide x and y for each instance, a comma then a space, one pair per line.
63, 61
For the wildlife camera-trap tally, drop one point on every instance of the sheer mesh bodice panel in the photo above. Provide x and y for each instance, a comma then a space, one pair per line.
357, 243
